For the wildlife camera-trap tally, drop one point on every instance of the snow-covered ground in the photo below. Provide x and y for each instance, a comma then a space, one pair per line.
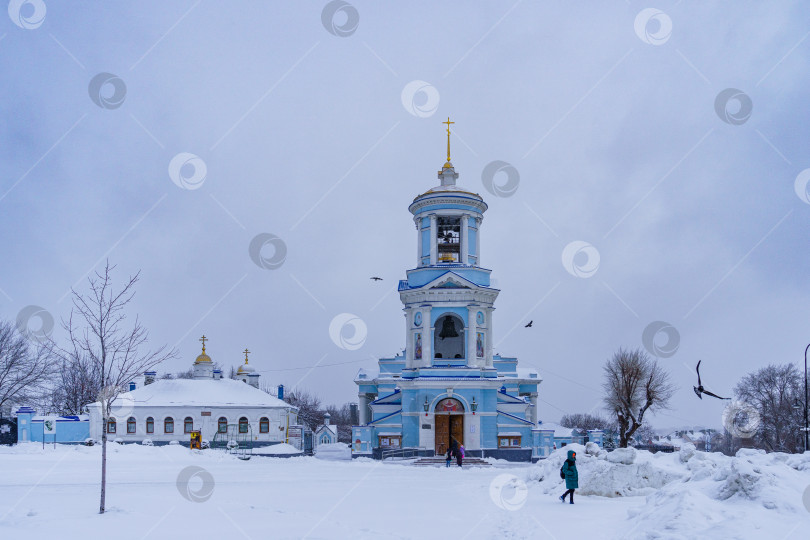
170, 492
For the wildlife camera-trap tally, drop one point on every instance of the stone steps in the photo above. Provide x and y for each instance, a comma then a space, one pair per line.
441, 462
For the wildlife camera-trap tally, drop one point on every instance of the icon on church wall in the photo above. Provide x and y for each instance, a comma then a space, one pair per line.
417, 348
449, 405
479, 345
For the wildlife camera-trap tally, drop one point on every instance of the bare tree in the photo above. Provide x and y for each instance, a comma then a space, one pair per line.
585, 421
643, 436
97, 330
188, 374
634, 384
77, 384
342, 418
777, 394
25, 368
309, 407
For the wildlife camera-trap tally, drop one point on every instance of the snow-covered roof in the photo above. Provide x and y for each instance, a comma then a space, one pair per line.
559, 431
196, 392
330, 427
68, 418
527, 373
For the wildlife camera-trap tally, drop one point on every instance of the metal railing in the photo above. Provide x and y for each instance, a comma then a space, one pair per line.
402, 453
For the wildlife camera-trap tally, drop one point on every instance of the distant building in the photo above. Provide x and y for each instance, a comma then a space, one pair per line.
326, 433
69, 429
168, 410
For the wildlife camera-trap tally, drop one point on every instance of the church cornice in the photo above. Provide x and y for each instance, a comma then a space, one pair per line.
466, 200
450, 296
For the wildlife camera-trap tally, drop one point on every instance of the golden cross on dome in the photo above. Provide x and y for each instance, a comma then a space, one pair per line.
203, 339
246, 354
448, 137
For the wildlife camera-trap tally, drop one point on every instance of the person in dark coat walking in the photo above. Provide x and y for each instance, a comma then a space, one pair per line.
449, 456
459, 454
569, 468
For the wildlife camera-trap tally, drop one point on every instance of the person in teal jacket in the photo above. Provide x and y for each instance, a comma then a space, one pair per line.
569, 468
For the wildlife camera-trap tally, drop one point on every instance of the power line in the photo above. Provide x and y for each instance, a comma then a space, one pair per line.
315, 366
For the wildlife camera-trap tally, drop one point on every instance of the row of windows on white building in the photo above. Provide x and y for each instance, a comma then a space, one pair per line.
188, 425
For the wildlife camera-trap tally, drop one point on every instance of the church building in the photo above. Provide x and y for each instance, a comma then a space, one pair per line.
447, 387
168, 410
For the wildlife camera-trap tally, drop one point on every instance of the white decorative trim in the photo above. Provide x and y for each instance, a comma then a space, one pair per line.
468, 200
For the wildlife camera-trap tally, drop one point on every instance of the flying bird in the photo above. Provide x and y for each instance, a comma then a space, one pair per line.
375, 278
699, 388
529, 325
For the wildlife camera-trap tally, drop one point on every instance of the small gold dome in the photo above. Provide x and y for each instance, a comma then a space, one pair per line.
245, 368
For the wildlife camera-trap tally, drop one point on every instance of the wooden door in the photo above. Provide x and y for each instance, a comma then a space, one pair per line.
457, 428
442, 433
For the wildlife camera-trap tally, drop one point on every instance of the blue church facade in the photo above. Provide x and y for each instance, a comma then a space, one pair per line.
447, 387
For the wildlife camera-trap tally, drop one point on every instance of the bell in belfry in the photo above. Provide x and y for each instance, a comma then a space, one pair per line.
448, 328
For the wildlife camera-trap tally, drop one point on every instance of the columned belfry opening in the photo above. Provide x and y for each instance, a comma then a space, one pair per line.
448, 338
448, 239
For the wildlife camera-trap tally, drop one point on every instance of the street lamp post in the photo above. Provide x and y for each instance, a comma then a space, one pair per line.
806, 431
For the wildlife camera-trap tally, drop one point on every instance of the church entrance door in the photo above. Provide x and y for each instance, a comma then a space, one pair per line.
449, 425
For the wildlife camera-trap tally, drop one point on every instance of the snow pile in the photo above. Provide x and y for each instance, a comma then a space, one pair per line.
686, 452
279, 449
333, 451
622, 472
625, 456
722, 493
690, 494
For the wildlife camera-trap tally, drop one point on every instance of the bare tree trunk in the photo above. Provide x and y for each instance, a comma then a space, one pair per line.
103, 468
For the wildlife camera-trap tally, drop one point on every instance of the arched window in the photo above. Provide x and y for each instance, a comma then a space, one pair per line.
264, 425
243, 425
222, 425
188, 425
130, 425
111, 425
150, 425
168, 425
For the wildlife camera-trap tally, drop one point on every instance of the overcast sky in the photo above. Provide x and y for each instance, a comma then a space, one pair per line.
319, 122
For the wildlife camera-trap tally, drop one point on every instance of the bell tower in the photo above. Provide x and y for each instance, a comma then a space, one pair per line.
447, 299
